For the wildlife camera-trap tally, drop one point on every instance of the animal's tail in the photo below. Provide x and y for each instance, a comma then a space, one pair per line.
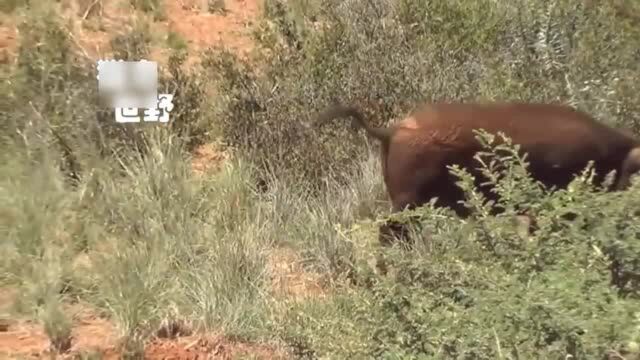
343, 111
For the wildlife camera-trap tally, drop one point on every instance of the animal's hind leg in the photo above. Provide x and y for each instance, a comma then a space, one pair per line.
389, 233
417, 190
393, 231
414, 175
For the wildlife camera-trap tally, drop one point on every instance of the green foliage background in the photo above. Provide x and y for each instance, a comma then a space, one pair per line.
111, 215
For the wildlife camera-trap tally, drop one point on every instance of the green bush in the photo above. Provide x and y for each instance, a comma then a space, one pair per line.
478, 289
147, 244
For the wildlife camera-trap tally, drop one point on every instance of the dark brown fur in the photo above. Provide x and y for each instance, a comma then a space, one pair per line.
559, 140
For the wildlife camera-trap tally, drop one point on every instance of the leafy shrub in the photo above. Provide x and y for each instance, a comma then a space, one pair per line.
478, 289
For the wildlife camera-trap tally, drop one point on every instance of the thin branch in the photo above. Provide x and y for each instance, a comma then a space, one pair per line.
86, 13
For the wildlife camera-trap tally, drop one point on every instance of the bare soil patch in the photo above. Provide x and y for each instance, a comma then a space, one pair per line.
290, 280
230, 28
90, 334
8, 40
94, 335
207, 157
210, 347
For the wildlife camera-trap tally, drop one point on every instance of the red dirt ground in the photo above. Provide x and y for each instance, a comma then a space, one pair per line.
23, 338
8, 41
205, 29
92, 334
206, 158
213, 347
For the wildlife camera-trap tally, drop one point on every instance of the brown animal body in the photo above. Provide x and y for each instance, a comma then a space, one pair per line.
559, 140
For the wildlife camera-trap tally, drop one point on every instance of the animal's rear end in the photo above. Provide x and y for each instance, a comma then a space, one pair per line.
559, 141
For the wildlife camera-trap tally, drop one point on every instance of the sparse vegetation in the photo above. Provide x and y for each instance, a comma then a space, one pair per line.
176, 42
150, 6
9, 6
113, 217
217, 6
